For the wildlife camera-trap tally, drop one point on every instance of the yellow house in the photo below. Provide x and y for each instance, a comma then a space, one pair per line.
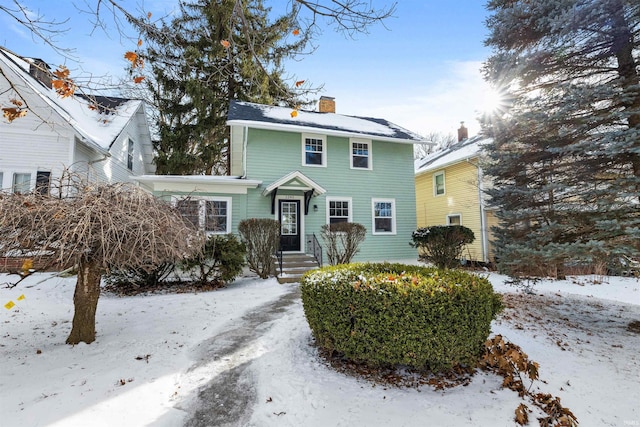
450, 191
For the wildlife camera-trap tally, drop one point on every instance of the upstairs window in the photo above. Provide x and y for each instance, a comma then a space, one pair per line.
384, 216
338, 210
314, 150
360, 154
438, 183
130, 145
21, 183
212, 215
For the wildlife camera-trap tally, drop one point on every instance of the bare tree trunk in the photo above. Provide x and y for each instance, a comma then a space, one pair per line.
627, 70
85, 301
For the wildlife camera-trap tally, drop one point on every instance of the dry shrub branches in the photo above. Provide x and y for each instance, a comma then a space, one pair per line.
93, 227
508, 360
116, 225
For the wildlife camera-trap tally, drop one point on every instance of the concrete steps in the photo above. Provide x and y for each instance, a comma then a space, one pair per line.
294, 266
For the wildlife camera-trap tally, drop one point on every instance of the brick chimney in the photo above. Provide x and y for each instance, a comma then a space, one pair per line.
327, 104
463, 132
39, 70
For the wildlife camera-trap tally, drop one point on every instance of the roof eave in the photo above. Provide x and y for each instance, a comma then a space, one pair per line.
313, 129
446, 165
204, 179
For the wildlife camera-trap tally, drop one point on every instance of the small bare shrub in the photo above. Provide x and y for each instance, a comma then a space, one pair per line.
261, 237
342, 241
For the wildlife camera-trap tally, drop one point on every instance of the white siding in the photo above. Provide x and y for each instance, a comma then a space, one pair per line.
43, 141
29, 149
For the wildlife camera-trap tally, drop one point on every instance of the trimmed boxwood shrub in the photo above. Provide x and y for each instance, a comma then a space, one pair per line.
394, 314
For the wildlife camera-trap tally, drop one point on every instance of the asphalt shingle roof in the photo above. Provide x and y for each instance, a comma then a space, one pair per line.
352, 125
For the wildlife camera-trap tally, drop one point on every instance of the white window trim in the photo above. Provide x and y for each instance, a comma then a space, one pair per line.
394, 229
370, 150
339, 199
452, 215
444, 181
323, 138
202, 210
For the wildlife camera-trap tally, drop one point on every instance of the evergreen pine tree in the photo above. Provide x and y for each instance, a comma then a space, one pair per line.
566, 153
215, 53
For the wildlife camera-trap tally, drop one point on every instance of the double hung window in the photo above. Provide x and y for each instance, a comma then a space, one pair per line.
314, 150
21, 183
338, 210
212, 215
360, 154
384, 216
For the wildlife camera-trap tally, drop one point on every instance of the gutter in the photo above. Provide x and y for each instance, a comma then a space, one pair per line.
106, 156
245, 133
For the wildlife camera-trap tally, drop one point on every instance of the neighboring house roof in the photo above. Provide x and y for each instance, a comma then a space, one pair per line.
279, 118
97, 126
460, 151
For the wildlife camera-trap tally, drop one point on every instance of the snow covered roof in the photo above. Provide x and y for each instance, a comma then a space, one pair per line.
279, 118
98, 120
460, 151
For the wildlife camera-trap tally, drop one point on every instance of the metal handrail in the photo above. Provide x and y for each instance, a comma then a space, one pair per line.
317, 249
279, 256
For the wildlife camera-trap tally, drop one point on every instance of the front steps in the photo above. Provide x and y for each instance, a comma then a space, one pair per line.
294, 266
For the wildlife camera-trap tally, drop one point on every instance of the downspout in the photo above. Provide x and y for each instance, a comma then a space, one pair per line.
245, 132
484, 239
483, 219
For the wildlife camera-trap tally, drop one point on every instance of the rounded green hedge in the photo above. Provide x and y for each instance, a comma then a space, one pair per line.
395, 314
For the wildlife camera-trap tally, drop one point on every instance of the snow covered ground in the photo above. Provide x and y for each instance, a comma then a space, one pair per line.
170, 359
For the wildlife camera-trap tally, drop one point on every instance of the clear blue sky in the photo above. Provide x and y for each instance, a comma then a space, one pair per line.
420, 72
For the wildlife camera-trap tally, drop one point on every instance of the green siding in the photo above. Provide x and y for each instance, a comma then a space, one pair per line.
273, 154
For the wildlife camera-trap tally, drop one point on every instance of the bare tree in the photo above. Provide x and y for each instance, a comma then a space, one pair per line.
439, 141
94, 227
347, 16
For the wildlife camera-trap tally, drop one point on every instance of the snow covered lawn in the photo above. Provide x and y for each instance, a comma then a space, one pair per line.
150, 361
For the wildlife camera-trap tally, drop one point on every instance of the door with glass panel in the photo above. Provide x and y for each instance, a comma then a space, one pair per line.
289, 217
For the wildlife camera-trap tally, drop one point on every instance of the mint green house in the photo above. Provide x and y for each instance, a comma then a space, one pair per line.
307, 170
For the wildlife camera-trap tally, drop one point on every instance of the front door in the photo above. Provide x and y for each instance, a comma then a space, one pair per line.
289, 224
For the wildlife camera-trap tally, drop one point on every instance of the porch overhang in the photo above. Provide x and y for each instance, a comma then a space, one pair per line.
295, 181
196, 183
